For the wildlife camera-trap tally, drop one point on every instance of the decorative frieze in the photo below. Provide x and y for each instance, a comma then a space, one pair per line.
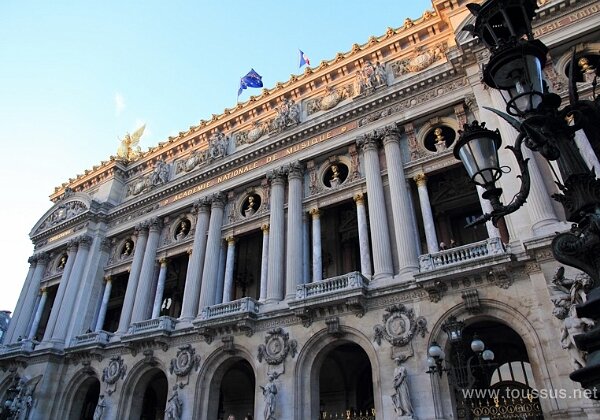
420, 59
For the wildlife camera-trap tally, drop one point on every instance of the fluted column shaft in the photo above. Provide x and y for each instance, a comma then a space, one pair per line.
317, 261
29, 301
211, 262
587, 152
486, 207
427, 214
141, 306
363, 236
191, 293
38, 313
408, 260
72, 287
19, 309
380, 239
275, 283
134, 277
160, 289
104, 304
293, 273
221, 272
264, 263
306, 268
229, 266
60, 293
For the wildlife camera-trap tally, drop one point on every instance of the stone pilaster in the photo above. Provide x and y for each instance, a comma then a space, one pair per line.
221, 272
104, 304
380, 239
134, 277
427, 214
363, 236
211, 261
143, 296
191, 293
160, 288
306, 268
408, 261
294, 271
32, 293
65, 313
275, 283
317, 261
229, 266
19, 310
264, 263
38, 313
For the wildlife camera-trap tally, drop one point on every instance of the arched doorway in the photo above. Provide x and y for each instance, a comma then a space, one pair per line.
237, 391
346, 383
499, 389
85, 400
149, 397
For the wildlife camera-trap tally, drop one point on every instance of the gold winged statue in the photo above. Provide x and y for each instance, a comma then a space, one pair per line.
129, 149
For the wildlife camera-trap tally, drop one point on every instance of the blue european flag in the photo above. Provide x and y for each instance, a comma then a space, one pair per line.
252, 79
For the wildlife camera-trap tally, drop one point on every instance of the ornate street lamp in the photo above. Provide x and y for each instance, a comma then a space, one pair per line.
515, 69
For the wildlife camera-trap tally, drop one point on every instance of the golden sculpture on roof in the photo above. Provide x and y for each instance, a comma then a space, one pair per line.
129, 149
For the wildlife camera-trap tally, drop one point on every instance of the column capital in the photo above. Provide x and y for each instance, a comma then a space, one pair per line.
32, 260
72, 245
315, 212
367, 142
390, 134
295, 170
202, 205
85, 241
42, 258
359, 198
105, 244
231, 240
218, 200
265, 228
43, 290
141, 229
420, 179
163, 261
189, 251
154, 224
108, 278
277, 175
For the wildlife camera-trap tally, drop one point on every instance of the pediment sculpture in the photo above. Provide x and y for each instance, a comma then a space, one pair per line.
420, 60
63, 213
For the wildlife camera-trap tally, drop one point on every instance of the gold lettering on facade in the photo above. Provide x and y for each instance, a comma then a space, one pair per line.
567, 20
261, 162
60, 235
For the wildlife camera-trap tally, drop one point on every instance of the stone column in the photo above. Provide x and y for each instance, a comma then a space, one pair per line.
191, 293
211, 261
229, 266
587, 152
160, 289
221, 272
363, 236
305, 249
380, 239
62, 286
408, 260
38, 313
427, 214
73, 285
317, 262
134, 277
141, 306
275, 282
293, 274
486, 207
19, 310
264, 263
32, 293
104, 305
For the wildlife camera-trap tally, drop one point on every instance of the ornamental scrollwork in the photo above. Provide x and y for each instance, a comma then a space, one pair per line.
115, 370
277, 346
399, 326
185, 361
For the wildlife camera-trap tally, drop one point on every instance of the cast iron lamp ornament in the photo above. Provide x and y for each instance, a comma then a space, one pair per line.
515, 69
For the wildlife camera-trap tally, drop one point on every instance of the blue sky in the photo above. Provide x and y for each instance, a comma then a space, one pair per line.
77, 75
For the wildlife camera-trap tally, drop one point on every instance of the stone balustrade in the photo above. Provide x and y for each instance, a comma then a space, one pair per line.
349, 281
97, 337
163, 323
461, 254
244, 305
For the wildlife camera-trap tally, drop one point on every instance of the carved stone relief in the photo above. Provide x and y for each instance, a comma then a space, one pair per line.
370, 77
420, 59
277, 347
399, 326
111, 374
288, 114
183, 363
63, 213
332, 97
160, 175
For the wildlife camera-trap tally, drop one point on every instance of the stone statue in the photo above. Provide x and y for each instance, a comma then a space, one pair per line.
269, 392
440, 140
160, 175
401, 396
19, 407
127, 248
182, 230
129, 148
379, 76
251, 207
99, 411
174, 407
217, 145
572, 326
62, 262
335, 176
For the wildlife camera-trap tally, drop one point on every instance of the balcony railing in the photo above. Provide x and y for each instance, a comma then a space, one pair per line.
244, 305
98, 337
24, 346
161, 324
350, 281
461, 254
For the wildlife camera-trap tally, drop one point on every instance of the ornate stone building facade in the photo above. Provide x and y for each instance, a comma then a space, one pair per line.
296, 256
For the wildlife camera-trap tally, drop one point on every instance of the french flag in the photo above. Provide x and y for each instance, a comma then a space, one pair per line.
303, 59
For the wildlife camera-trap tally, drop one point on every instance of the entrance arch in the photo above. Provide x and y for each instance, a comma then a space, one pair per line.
317, 356
149, 396
237, 391
85, 400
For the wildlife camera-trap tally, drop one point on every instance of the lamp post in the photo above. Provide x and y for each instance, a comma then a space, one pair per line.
515, 69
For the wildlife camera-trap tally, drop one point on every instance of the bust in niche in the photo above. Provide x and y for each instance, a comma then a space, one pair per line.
183, 229
62, 262
251, 206
440, 140
335, 175
127, 248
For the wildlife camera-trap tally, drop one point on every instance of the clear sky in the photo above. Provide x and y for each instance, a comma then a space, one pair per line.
77, 75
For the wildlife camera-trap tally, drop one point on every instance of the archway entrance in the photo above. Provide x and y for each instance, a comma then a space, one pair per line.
150, 396
498, 389
237, 391
85, 400
346, 384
